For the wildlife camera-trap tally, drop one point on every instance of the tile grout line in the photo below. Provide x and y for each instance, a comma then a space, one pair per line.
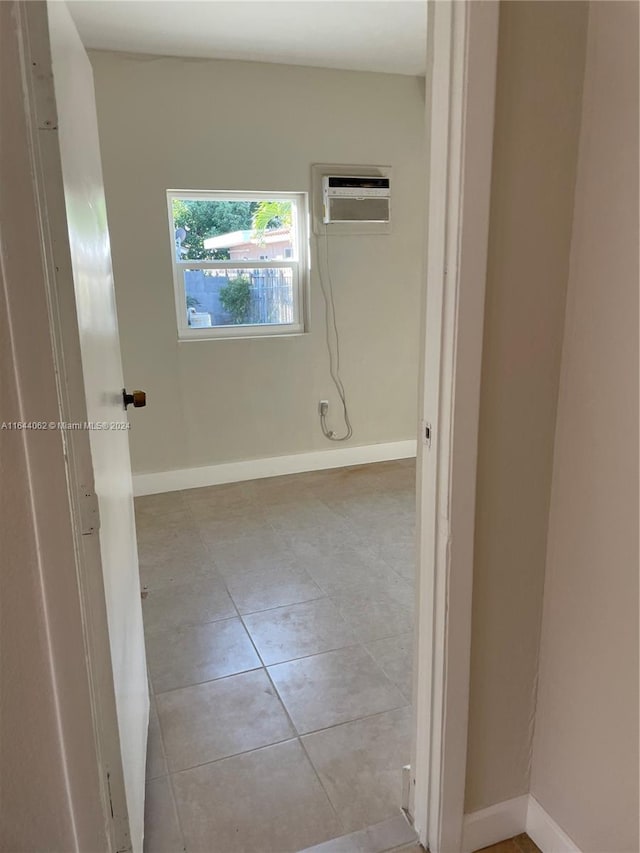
405, 703
179, 770
300, 738
224, 584
303, 748
209, 680
328, 596
384, 671
358, 643
170, 775
296, 737
357, 719
351, 527
288, 716
322, 785
172, 792
241, 616
264, 665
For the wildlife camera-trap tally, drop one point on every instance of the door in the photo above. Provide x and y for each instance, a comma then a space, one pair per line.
103, 383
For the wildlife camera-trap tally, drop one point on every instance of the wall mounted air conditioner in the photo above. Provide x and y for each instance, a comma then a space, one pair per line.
356, 198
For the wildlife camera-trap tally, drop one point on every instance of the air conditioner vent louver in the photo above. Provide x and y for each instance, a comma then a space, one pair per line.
356, 198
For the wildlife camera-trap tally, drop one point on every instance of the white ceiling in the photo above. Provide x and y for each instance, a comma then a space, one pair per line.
363, 35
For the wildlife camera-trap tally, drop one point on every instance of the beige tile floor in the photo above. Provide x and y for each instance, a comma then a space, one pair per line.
278, 618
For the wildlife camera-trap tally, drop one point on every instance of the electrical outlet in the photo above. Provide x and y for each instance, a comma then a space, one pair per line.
323, 407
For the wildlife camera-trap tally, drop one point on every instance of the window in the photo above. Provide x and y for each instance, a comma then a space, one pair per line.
240, 263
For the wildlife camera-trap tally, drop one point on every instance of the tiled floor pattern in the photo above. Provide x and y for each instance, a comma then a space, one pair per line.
278, 619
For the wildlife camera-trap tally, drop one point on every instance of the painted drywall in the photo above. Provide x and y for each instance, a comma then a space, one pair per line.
50, 797
206, 124
585, 759
538, 98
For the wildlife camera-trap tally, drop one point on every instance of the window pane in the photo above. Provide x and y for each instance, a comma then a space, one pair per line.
233, 230
239, 297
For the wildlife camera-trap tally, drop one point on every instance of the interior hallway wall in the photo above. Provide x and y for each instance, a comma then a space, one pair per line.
585, 760
207, 124
538, 98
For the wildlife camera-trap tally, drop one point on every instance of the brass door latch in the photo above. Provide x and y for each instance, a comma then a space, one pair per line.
138, 399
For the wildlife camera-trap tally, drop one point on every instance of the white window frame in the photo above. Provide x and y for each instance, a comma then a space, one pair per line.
298, 264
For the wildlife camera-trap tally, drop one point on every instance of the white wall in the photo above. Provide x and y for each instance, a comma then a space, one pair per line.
585, 760
206, 124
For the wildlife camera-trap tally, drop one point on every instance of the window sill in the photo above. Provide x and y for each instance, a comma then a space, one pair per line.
280, 335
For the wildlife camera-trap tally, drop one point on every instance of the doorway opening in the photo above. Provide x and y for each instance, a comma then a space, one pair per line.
433, 807
278, 611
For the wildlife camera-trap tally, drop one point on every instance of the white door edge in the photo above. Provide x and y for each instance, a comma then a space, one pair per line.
462, 56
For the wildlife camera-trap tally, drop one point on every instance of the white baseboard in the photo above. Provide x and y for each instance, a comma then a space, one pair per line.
272, 466
488, 826
545, 832
511, 817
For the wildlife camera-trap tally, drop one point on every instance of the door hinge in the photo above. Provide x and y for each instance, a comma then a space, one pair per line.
122, 844
406, 789
427, 433
89, 515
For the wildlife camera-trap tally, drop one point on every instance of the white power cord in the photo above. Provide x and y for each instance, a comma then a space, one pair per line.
334, 361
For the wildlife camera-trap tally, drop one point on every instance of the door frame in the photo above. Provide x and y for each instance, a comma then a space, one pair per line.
460, 94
